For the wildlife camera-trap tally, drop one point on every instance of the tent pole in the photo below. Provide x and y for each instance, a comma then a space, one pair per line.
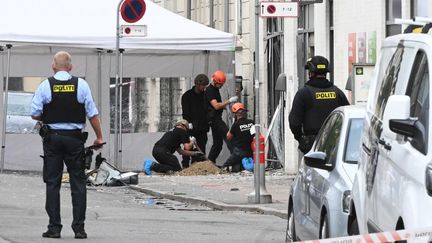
5, 103
120, 166
116, 115
99, 82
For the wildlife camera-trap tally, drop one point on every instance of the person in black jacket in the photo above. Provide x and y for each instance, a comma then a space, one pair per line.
313, 103
194, 110
240, 137
164, 149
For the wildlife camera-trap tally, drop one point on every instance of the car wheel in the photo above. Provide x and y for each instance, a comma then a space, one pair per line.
353, 228
290, 231
324, 230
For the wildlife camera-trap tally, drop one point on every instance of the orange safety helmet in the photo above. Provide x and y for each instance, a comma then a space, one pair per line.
236, 107
219, 77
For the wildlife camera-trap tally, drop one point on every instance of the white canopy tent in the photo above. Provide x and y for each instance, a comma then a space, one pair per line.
92, 24
174, 47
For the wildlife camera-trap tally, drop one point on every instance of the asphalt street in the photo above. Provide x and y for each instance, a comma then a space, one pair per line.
120, 214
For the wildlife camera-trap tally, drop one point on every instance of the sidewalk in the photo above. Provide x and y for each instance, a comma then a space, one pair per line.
228, 192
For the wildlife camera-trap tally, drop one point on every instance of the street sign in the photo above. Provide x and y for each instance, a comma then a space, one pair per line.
132, 10
278, 9
133, 31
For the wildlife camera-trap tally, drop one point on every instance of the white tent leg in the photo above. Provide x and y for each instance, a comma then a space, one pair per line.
5, 102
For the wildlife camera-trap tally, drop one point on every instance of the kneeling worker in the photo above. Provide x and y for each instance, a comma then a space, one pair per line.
163, 150
240, 137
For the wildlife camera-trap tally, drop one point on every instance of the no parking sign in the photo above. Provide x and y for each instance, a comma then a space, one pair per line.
132, 10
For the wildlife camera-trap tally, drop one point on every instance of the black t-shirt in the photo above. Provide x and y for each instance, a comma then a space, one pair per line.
241, 134
172, 139
212, 93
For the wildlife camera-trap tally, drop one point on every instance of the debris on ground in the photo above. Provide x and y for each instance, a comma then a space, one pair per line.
205, 167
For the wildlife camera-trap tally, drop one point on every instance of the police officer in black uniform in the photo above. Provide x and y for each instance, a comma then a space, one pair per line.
215, 107
195, 110
240, 137
313, 103
164, 149
62, 103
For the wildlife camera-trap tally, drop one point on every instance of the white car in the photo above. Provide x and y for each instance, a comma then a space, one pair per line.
393, 186
320, 194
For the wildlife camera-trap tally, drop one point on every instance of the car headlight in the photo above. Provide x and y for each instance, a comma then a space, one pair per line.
346, 201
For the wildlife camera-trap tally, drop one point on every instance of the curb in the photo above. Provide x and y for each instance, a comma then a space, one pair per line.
212, 204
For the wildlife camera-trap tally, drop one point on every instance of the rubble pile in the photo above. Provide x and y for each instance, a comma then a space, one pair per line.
205, 167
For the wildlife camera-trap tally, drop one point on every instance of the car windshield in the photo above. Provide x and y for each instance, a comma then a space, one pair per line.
352, 149
19, 104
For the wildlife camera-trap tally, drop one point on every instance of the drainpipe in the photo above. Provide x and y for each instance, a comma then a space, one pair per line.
239, 17
188, 9
212, 24
226, 21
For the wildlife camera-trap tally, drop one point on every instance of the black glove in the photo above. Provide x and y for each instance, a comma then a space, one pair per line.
305, 143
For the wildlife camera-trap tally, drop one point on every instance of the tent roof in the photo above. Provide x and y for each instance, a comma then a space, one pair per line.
92, 24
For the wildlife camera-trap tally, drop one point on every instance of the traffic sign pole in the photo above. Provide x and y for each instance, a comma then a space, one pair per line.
117, 81
131, 11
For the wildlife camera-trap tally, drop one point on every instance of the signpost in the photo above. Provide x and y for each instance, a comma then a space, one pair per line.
131, 11
278, 9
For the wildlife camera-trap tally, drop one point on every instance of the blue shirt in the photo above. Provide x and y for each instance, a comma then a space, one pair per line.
43, 96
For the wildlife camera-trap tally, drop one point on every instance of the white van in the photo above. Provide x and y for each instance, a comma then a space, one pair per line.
392, 189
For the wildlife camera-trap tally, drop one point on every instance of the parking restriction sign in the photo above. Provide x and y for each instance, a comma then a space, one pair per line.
132, 10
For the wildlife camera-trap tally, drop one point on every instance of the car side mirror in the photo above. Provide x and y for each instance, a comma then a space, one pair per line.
317, 159
397, 107
411, 128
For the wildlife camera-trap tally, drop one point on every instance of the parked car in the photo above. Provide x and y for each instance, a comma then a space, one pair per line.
320, 194
18, 119
392, 189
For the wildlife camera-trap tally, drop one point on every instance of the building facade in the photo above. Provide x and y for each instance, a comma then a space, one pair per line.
348, 32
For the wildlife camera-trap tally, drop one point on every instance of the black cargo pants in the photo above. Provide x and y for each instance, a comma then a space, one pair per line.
64, 147
219, 130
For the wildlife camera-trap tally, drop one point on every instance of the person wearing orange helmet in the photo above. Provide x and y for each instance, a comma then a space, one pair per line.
215, 107
240, 137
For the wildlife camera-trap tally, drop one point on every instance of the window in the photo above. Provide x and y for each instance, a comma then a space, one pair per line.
419, 8
148, 104
329, 137
305, 40
418, 90
352, 149
389, 80
393, 10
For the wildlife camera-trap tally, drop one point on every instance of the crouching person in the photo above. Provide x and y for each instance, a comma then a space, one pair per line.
164, 149
240, 137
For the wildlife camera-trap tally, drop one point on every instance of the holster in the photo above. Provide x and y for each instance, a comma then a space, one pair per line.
44, 132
